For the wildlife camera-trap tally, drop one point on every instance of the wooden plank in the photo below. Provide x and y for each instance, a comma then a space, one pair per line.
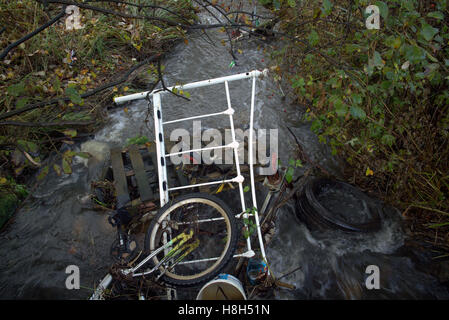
154, 161
118, 170
140, 174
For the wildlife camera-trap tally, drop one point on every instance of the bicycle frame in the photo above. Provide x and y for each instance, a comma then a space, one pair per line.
179, 247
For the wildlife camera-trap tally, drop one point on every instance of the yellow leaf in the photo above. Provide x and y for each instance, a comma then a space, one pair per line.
240, 51
125, 110
125, 89
220, 189
115, 89
3, 180
369, 172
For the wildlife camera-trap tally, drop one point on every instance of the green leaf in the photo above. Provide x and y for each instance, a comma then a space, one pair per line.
408, 5
298, 163
246, 189
414, 54
358, 112
16, 89
340, 108
377, 60
439, 225
298, 83
356, 98
327, 7
28, 146
43, 173
316, 125
383, 9
139, 140
289, 174
57, 169
73, 95
428, 32
70, 133
388, 139
84, 155
69, 154
66, 166
314, 38
291, 3
436, 14
21, 102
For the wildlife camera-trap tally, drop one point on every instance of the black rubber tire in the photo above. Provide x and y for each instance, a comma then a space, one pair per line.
313, 213
231, 242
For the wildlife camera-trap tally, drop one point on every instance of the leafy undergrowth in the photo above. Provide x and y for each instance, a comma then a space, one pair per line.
64, 64
379, 98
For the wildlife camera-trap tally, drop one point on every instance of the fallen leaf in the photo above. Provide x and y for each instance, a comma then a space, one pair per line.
369, 172
221, 188
57, 169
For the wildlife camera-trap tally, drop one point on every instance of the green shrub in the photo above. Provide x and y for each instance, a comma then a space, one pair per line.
379, 98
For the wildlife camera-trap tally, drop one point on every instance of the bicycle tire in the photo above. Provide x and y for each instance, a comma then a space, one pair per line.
154, 234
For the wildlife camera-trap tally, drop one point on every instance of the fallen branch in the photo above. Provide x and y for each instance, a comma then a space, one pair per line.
144, 6
32, 34
112, 12
84, 95
164, 87
282, 201
46, 124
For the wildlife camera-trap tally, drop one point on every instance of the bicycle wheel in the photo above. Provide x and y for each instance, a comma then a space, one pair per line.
214, 228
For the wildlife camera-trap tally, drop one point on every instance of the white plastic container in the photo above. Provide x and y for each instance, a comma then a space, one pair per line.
223, 287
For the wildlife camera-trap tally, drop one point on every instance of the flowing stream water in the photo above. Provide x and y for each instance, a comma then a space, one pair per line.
57, 227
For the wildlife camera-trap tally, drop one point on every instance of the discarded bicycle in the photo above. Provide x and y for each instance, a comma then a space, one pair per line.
193, 237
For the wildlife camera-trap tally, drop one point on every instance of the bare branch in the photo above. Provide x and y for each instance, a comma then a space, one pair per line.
116, 13
163, 83
32, 34
46, 124
84, 95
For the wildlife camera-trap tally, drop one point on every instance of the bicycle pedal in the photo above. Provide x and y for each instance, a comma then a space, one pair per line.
125, 253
